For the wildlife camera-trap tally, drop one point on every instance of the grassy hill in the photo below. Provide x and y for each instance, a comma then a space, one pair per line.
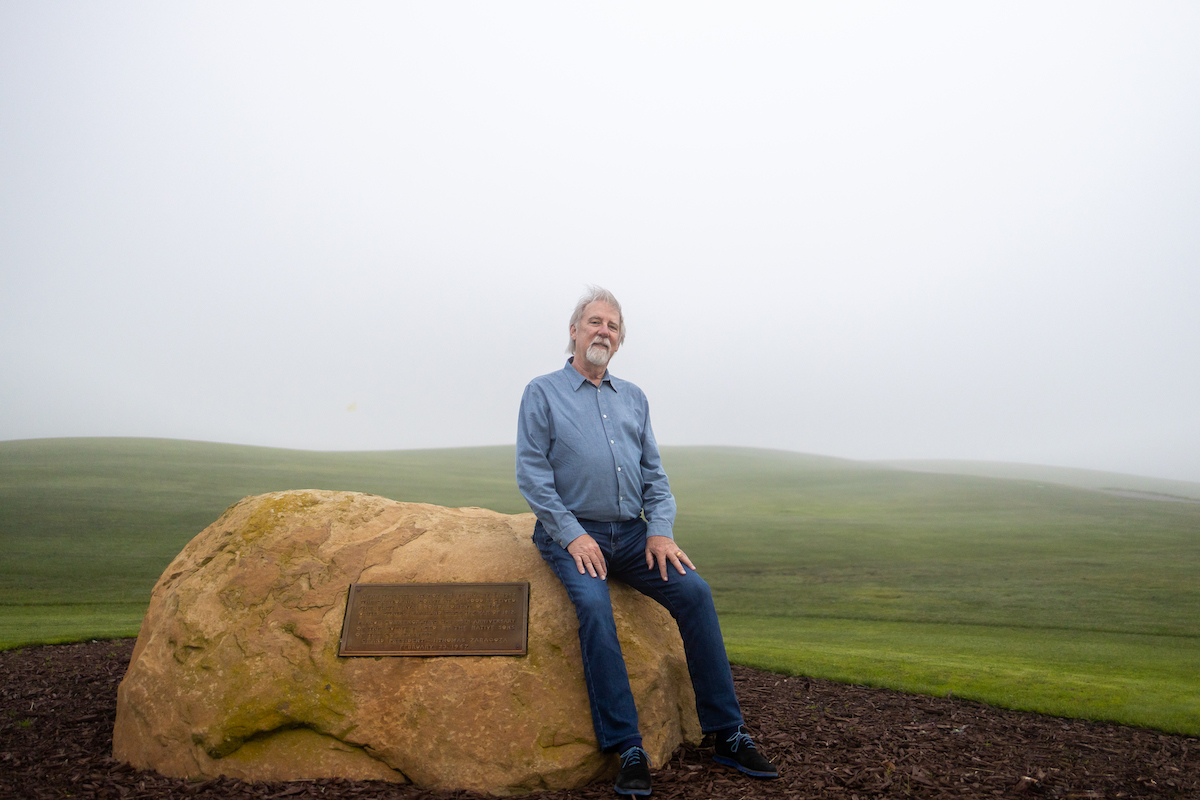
1023, 593
88, 525
1067, 476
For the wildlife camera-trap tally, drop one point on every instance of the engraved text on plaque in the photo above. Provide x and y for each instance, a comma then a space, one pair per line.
436, 619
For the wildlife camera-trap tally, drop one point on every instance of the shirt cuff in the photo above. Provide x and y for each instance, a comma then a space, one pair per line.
659, 528
569, 533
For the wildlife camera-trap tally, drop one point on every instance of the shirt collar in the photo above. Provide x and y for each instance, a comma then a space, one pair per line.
578, 380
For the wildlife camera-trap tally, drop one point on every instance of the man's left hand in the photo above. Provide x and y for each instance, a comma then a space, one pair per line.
662, 550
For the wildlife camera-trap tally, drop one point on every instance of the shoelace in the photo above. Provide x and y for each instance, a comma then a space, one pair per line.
739, 739
631, 756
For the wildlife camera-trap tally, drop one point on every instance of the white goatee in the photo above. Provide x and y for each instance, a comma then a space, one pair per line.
597, 355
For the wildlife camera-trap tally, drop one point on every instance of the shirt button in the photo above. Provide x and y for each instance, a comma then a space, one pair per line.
612, 441
618, 469
604, 415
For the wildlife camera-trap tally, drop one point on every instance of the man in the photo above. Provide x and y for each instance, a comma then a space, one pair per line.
589, 466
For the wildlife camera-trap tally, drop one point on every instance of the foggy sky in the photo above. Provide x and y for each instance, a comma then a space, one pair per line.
868, 230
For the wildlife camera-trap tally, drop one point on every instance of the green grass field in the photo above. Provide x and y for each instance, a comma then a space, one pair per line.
1021, 593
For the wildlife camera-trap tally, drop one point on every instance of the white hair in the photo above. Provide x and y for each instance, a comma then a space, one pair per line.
592, 295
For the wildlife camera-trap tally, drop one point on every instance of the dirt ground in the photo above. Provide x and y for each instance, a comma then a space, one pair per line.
58, 704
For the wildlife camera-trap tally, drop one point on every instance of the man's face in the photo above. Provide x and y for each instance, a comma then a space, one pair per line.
597, 333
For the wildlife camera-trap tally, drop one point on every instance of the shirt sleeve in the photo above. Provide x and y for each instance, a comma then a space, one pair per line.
658, 504
535, 476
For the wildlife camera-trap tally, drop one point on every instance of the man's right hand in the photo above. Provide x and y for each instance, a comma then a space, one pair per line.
588, 557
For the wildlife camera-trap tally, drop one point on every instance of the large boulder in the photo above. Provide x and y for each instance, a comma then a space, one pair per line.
236, 670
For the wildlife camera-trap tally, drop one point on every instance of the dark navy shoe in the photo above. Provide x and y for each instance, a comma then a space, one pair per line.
634, 777
739, 752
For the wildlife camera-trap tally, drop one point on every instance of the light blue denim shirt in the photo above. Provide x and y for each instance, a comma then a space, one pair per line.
588, 453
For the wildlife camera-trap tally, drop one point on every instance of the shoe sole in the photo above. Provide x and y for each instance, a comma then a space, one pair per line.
634, 792
753, 773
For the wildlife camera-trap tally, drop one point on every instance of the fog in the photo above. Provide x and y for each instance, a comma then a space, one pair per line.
867, 230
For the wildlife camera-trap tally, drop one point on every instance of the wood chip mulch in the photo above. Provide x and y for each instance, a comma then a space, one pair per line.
58, 704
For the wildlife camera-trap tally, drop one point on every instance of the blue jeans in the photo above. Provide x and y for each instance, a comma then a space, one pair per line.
686, 597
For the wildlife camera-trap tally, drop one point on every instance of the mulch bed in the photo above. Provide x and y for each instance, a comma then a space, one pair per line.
58, 704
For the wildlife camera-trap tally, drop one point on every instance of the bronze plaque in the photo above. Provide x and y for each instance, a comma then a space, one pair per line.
436, 619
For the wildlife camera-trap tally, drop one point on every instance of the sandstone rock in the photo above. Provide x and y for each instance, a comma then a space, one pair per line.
236, 671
